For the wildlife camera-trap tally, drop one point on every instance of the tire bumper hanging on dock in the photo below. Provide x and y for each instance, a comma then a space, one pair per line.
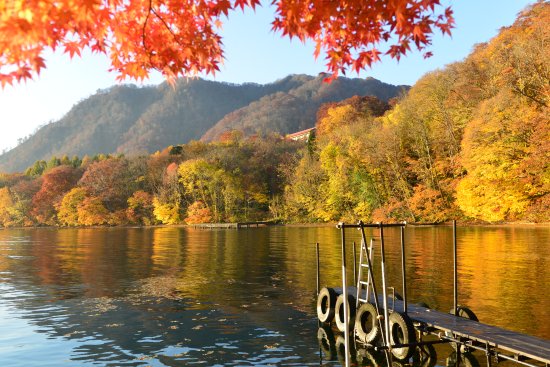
326, 302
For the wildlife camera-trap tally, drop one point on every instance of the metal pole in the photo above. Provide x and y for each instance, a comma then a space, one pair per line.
384, 292
318, 272
403, 271
354, 264
455, 272
345, 295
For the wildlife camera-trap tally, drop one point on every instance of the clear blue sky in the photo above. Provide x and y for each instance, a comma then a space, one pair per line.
253, 54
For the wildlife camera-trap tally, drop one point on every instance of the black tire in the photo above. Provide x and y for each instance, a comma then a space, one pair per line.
401, 332
425, 356
341, 350
325, 336
367, 328
465, 312
339, 312
325, 304
370, 357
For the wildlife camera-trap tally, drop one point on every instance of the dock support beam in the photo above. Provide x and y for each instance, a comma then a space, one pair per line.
384, 289
455, 271
345, 295
354, 263
403, 271
318, 270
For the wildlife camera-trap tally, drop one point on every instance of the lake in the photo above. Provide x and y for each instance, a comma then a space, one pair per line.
173, 296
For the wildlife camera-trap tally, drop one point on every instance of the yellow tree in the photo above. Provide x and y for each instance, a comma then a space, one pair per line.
68, 209
495, 143
167, 201
92, 212
6, 204
166, 212
220, 191
140, 208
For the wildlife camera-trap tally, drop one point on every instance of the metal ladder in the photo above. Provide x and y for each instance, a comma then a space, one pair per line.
365, 259
365, 262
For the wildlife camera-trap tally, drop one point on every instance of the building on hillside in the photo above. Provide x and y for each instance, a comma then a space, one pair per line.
301, 135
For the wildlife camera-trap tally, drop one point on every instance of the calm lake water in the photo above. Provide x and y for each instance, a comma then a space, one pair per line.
181, 296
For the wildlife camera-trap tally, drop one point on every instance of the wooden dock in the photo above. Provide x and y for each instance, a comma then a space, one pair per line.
499, 342
505, 344
234, 225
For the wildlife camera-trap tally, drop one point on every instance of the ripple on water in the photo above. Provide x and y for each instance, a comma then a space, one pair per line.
180, 297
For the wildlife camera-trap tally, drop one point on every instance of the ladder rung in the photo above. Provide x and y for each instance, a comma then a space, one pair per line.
364, 300
363, 282
365, 265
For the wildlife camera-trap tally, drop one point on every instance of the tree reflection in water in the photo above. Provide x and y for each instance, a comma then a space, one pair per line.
179, 296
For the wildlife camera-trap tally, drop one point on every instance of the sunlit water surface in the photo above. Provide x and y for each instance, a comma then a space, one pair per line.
180, 296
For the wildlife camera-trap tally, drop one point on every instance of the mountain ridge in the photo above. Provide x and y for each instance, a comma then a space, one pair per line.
140, 120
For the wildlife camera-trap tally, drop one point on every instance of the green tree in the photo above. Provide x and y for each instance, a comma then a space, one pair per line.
36, 169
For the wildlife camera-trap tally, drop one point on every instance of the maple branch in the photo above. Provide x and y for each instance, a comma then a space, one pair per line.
183, 38
143, 32
166, 26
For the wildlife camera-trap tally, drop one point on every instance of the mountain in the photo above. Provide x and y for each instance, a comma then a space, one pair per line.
136, 120
296, 109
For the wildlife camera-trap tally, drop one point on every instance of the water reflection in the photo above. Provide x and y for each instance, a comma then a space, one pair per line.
178, 296
332, 349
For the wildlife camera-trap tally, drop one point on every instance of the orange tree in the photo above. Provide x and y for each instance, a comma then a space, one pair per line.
182, 37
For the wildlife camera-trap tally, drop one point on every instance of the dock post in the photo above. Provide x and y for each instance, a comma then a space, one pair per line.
345, 295
354, 264
455, 272
403, 271
384, 291
318, 271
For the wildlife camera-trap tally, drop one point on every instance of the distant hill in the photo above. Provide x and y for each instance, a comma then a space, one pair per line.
289, 111
134, 120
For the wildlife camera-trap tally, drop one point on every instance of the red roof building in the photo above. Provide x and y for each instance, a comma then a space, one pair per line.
300, 135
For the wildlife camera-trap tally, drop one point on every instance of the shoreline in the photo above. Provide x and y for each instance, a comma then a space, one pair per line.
303, 225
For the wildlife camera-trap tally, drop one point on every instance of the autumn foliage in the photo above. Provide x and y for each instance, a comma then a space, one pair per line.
470, 142
183, 37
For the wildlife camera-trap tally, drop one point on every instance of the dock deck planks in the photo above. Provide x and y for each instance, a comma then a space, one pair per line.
510, 341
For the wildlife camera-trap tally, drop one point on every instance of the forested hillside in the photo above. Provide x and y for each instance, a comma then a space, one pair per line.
468, 142
131, 120
236, 180
296, 109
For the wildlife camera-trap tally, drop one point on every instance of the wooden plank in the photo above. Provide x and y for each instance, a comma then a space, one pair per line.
216, 225
232, 225
502, 339
510, 341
